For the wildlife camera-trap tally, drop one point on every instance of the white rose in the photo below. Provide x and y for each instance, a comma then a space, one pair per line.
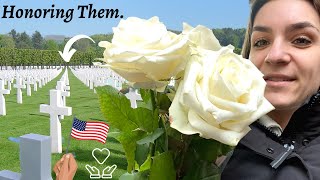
201, 37
145, 53
220, 96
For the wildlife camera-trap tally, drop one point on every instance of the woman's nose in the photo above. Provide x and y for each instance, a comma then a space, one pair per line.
278, 53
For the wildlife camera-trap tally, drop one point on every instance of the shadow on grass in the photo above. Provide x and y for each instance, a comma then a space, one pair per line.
88, 107
38, 115
116, 151
84, 97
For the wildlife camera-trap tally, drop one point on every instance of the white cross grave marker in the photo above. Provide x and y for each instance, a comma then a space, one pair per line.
133, 96
64, 94
9, 85
35, 85
19, 86
55, 109
28, 83
40, 82
2, 99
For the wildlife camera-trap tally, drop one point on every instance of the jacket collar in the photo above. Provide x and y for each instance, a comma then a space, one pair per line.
263, 141
304, 123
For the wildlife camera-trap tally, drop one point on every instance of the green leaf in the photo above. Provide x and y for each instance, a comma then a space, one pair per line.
134, 124
146, 165
147, 102
128, 141
206, 149
152, 137
162, 167
163, 101
203, 170
142, 153
142, 175
117, 110
162, 141
143, 145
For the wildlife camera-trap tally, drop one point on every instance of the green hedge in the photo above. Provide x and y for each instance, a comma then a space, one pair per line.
35, 57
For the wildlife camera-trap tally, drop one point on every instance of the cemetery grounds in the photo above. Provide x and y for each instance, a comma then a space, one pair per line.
26, 118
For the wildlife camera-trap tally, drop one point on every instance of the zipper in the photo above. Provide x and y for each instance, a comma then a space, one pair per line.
283, 156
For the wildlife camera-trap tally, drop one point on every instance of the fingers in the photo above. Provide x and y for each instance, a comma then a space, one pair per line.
64, 168
58, 165
72, 165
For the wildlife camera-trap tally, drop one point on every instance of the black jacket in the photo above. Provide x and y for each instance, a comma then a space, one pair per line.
253, 157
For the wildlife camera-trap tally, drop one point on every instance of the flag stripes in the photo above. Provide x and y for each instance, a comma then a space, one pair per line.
83, 130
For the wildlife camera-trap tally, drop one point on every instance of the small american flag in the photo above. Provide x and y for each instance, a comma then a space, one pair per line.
83, 130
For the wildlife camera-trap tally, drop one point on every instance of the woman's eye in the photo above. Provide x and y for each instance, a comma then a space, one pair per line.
302, 41
260, 43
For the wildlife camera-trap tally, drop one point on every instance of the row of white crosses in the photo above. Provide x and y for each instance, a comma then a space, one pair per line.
96, 76
23, 79
104, 76
57, 109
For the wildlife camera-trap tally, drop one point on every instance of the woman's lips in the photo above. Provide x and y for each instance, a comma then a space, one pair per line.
278, 80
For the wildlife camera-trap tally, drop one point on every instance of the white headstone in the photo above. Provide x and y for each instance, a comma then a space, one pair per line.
133, 96
9, 85
35, 85
19, 86
40, 83
2, 99
28, 83
55, 109
91, 83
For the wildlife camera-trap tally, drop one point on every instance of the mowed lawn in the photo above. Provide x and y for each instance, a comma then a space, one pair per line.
26, 118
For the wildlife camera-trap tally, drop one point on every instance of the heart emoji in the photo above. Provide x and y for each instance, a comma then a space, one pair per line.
100, 154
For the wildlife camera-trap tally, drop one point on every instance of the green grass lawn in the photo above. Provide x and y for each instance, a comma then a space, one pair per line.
26, 118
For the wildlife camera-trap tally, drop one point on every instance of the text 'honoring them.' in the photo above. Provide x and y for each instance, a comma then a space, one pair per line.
82, 11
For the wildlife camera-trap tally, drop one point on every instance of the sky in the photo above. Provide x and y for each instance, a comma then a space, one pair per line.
210, 13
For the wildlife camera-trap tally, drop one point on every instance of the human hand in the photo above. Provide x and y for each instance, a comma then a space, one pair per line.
107, 172
94, 172
66, 167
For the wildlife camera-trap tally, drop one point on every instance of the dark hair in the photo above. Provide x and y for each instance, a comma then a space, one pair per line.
255, 7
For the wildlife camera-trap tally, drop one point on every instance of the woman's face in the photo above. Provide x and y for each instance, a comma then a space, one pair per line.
285, 46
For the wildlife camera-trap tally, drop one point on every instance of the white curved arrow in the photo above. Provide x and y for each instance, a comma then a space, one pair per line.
66, 55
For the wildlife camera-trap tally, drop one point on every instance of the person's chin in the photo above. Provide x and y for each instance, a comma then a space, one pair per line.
278, 100
284, 105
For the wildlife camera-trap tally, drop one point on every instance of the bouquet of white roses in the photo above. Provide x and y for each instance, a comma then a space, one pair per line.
216, 96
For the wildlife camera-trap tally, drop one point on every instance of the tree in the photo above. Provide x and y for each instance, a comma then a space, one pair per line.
13, 34
6, 41
24, 41
37, 40
82, 45
51, 45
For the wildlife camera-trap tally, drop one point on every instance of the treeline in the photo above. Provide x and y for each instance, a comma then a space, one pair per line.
231, 36
228, 36
40, 58
20, 49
